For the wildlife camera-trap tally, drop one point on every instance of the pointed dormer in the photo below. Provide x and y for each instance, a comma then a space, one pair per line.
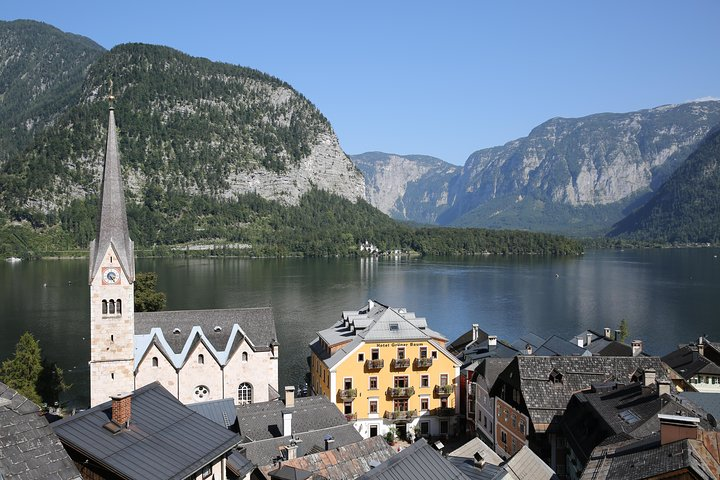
112, 229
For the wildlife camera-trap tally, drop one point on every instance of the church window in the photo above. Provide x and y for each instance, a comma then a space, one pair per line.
104, 307
201, 359
244, 356
112, 338
154, 361
111, 307
112, 376
118, 306
245, 394
201, 392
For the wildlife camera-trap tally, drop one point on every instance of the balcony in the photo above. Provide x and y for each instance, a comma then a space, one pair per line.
423, 363
347, 395
351, 417
397, 392
376, 364
443, 412
444, 390
400, 414
400, 363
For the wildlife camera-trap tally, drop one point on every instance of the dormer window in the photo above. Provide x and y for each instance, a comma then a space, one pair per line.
394, 327
176, 331
217, 328
555, 376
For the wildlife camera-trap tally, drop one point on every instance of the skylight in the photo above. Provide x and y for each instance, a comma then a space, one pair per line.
394, 327
629, 416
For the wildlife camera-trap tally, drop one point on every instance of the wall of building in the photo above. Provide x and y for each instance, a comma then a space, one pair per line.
706, 383
164, 372
511, 429
484, 414
260, 370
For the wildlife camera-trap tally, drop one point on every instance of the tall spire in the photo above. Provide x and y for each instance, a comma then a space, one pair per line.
112, 229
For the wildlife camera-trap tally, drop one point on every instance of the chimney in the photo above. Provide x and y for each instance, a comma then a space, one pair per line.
291, 450
475, 329
290, 397
701, 346
329, 442
676, 427
121, 408
580, 342
617, 335
663, 387
492, 340
479, 460
371, 305
287, 423
649, 376
607, 333
636, 347
528, 349
588, 339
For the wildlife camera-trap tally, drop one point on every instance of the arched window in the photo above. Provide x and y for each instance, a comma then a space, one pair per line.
104, 307
118, 306
111, 306
201, 359
244, 394
244, 356
154, 361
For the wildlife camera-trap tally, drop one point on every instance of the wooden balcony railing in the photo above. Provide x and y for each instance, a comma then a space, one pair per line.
443, 412
347, 394
351, 417
421, 363
395, 392
444, 390
400, 362
374, 364
400, 414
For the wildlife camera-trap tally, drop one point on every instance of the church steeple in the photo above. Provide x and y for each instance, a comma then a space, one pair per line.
112, 229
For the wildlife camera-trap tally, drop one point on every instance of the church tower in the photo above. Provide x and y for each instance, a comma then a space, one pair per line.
112, 274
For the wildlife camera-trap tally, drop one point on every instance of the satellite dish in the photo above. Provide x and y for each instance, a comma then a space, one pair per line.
711, 420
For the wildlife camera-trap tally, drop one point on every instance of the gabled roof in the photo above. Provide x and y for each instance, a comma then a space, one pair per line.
559, 346
688, 362
419, 461
112, 226
526, 465
165, 439
175, 333
28, 447
220, 411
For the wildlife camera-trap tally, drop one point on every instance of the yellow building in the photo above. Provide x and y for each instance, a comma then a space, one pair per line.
383, 367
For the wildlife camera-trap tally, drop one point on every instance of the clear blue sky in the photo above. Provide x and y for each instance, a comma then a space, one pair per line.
437, 78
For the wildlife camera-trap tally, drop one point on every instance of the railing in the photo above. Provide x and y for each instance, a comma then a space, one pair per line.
444, 390
374, 364
400, 414
400, 362
423, 362
347, 394
443, 412
351, 417
395, 392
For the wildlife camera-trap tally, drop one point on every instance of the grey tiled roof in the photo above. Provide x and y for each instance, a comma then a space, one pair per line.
165, 439
220, 411
559, 346
239, 465
28, 447
474, 445
489, 369
525, 465
112, 226
688, 362
419, 461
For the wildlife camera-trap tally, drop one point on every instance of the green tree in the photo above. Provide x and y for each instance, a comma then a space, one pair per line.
51, 382
147, 298
22, 371
624, 330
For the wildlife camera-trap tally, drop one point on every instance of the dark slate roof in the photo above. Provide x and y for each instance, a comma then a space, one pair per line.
458, 345
483, 349
606, 347
28, 447
346, 462
290, 473
529, 338
419, 461
559, 346
239, 465
489, 369
545, 400
112, 226
264, 420
220, 411
165, 439
688, 362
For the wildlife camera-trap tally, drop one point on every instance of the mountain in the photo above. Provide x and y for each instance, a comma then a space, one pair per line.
188, 125
41, 71
686, 208
406, 187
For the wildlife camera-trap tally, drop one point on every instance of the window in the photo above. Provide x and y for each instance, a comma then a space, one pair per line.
401, 353
104, 307
373, 430
244, 356
401, 382
348, 408
155, 361
348, 383
503, 436
245, 394
361, 357
373, 383
207, 471
201, 359
118, 306
424, 403
201, 392
394, 327
424, 428
400, 405
513, 445
373, 406
375, 354
443, 427
514, 420
423, 352
443, 379
433, 354
424, 381
522, 427
111, 307
443, 402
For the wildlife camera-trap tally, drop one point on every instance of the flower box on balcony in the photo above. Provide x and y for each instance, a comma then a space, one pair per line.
401, 363
423, 362
347, 394
376, 364
400, 414
395, 392
444, 390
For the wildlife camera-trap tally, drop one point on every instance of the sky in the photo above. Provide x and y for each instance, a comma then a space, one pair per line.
434, 78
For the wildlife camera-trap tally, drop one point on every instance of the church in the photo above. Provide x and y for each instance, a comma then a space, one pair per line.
197, 355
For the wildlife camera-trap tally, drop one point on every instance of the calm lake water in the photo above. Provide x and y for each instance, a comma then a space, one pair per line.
667, 296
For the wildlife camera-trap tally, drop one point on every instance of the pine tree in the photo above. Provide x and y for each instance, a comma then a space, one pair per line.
22, 372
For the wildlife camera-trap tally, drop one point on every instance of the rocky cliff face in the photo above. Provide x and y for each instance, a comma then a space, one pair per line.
410, 187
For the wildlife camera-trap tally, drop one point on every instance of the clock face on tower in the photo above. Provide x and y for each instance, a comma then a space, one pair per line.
111, 276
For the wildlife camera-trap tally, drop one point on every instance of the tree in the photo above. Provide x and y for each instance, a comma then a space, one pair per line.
51, 382
624, 330
22, 371
147, 298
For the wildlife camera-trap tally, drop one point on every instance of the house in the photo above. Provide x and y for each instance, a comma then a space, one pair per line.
28, 447
385, 368
147, 434
280, 430
696, 364
197, 355
541, 387
346, 462
608, 344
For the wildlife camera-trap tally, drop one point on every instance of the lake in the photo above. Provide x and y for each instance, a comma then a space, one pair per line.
668, 296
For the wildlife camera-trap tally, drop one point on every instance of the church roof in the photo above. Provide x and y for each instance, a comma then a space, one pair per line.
221, 331
112, 227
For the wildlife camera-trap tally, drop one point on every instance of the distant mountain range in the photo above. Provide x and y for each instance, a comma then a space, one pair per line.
578, 176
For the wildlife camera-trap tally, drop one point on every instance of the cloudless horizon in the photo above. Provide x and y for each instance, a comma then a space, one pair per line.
440, 79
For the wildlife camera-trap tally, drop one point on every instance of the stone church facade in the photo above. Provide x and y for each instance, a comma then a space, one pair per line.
197, 355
